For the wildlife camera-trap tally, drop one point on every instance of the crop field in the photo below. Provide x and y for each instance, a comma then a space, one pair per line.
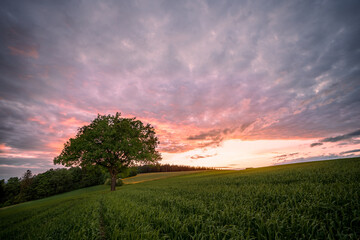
317, 200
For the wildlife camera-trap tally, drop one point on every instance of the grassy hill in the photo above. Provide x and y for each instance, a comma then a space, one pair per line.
144, 177
309, 200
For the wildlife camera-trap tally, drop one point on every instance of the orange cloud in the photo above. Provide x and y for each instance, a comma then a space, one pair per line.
73, 122
25, 51
35, 119
4, 148
57, 146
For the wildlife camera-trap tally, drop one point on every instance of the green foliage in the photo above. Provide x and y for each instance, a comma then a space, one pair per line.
119, 182
49, 183
112, 142
157, 167
2, 191
11, 190
318, 200
129, 172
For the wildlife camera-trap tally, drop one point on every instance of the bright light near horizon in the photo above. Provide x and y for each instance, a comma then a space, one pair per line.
238, 154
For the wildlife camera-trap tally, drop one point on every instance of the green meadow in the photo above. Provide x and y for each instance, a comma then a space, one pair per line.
316, 200
144, 177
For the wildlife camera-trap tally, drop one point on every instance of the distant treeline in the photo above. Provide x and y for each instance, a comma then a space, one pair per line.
55, 181
51, 182
169, 168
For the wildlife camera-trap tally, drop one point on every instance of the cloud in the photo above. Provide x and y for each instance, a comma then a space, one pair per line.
349, 142
174, 147
25, 162
197, 156
18, 171
213, 134
284, 157
211, 138
338, 138
314, 158
315, 144
351, 151
342, 137
270, 71
26, 51
214, 137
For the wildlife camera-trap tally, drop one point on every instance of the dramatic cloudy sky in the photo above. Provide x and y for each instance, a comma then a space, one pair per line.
228, 84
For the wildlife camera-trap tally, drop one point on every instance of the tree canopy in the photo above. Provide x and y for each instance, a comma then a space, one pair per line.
112, 142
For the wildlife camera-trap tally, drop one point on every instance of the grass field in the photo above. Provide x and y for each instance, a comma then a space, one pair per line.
318, 200
144, 177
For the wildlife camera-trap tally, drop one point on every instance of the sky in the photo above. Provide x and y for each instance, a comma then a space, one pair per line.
226, 84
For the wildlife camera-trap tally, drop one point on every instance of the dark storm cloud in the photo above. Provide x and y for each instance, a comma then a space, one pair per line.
289, 68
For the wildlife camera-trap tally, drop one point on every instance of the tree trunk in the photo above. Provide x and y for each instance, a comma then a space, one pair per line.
113, 181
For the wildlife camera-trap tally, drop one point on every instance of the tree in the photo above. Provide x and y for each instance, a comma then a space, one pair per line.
112, 142
2, 191
25, 186
12, 190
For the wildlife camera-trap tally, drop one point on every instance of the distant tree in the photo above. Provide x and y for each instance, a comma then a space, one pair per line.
12, 190
169, 168
51, 182
25, 186
112, 142
2, 191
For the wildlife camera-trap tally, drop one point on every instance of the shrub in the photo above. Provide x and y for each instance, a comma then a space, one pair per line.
119, 182
129, 172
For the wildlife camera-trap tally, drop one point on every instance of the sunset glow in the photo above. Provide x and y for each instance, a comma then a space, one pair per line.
226, 84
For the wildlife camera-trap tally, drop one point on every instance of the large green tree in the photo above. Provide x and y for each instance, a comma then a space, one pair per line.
112, 142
